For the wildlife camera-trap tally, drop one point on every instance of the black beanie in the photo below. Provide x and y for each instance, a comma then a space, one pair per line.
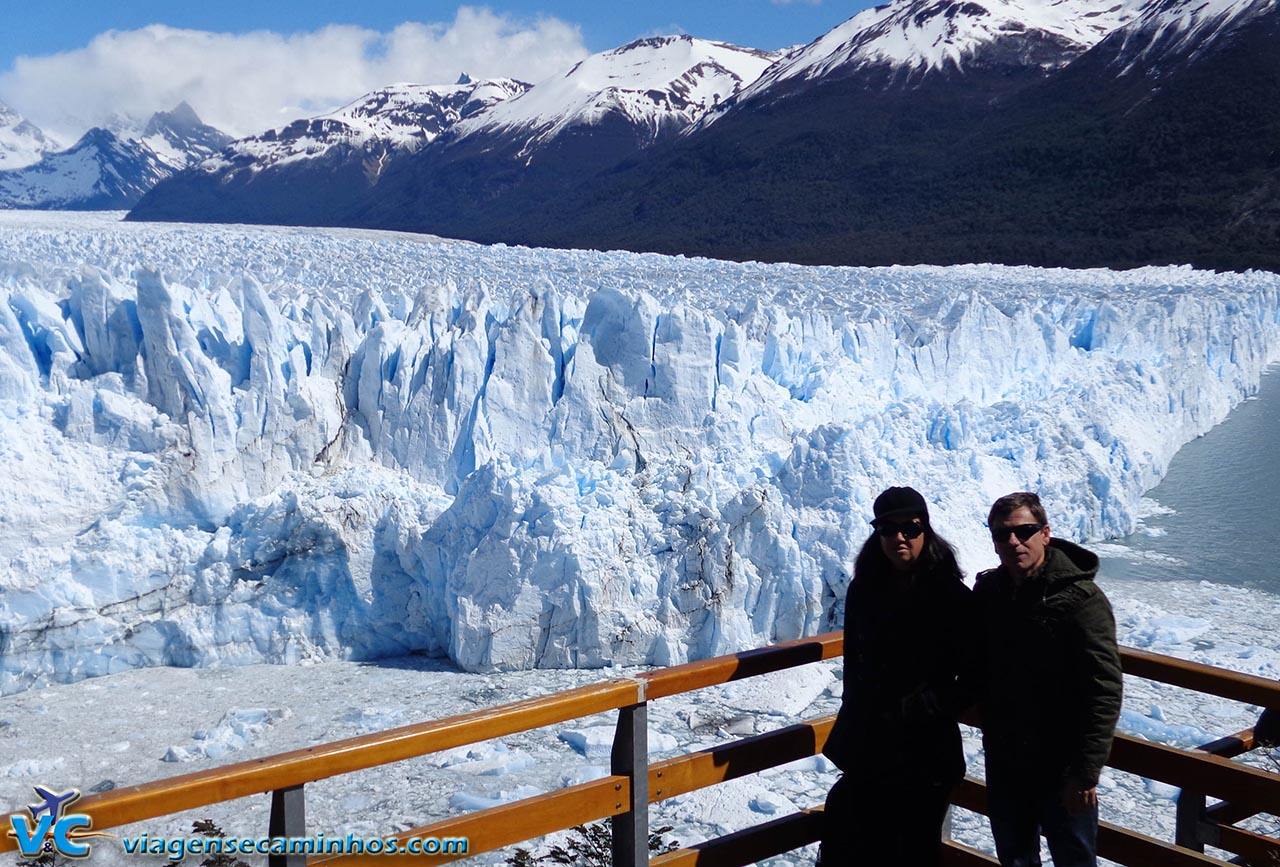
898, 503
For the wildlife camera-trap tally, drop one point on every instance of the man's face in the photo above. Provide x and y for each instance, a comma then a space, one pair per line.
1020, 557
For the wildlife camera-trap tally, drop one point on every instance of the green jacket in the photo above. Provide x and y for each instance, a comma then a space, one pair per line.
1049, 681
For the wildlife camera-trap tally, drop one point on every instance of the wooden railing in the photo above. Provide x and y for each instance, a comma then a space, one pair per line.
633, 783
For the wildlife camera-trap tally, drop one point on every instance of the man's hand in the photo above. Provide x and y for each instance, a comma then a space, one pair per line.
1077, 801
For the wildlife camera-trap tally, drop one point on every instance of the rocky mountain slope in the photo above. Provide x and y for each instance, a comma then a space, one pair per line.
107, 171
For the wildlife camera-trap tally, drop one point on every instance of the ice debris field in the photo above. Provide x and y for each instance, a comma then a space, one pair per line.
230, 445
224, 446
145, 724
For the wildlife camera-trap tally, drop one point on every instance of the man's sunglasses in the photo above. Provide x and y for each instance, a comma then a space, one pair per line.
908, 531
1022, 531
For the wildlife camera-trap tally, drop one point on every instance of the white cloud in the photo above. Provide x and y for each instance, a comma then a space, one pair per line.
246, 83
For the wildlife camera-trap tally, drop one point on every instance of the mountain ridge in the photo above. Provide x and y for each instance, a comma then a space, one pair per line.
22, 143
953, 149
103, 171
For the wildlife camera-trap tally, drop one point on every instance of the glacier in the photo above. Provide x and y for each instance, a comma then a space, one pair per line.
223, 445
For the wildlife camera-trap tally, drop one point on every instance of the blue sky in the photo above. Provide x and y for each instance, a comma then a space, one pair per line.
47, 26
249, 65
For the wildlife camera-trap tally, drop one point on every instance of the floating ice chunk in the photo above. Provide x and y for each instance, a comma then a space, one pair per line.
819, 763
485, 760
466, 801
729, 806
1149, 508
781, 693
769, 804
33, 768
236, 730
596, 742
1154, 728
1166, 631
1124, 552
373, 719
584, 774
1163, 791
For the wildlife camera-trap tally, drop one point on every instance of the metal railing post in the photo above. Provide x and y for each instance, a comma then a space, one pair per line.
288, 819
1190, 816
1193, 828
631, 758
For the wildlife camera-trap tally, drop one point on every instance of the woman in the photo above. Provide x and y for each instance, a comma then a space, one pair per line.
896, 737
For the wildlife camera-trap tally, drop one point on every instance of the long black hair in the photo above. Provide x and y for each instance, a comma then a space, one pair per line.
938, 559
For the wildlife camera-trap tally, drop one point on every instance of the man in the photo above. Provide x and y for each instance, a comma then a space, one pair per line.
1051, 687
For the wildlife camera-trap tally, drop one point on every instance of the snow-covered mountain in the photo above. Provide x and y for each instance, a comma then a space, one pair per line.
373, 129
950, 133
465, 143
905, 40
942, 34
103, 171
298, 444
654, 86
942, 132
21, 142
180, 139
1169, 32
98, 172
520, 157
312, 170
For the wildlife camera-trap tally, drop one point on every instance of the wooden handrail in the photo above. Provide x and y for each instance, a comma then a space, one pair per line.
563, 808
736, 666
1230, 746
783, 835
1191, 769
506, 824
741, 758
174, 794
1228, 813
750, 844
959, 855
1256, 848
1121, 845
1126, 846
1247, 688
1212, 774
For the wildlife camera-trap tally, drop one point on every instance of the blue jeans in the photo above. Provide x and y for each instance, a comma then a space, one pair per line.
1021, 810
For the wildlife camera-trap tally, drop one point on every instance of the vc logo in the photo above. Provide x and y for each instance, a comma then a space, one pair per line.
49, 830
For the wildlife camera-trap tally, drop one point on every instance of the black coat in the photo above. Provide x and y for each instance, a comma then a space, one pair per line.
904, 649
1052, 683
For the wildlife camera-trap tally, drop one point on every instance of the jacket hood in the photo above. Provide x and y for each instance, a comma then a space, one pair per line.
1065, 562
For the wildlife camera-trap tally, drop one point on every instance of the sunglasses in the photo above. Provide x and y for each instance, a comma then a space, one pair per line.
908, 531
1022, 531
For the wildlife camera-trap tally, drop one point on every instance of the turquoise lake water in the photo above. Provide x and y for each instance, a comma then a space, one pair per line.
1217, 514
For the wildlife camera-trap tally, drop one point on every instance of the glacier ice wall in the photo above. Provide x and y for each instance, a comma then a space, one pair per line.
224, 445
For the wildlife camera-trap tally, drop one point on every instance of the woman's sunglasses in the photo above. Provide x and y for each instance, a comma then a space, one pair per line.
908, 531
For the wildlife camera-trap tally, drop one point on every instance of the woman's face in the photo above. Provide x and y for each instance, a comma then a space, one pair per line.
902, 541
